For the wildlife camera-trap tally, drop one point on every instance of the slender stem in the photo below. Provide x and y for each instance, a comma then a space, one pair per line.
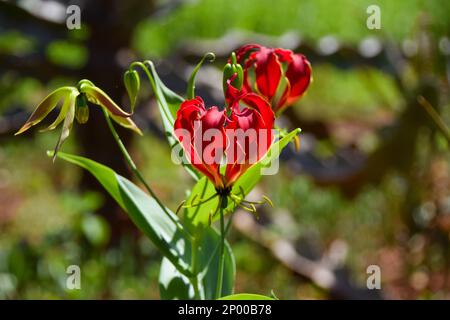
222, 251
435, 116
194, 278
135, 170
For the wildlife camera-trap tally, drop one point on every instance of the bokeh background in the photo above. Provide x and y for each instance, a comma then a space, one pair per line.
370, 184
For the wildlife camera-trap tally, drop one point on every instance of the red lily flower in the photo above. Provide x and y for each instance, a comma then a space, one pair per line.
268, 65
193, 121
242, 139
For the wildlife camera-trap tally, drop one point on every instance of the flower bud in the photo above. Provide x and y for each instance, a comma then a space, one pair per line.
229, 70
132, 84
81, 109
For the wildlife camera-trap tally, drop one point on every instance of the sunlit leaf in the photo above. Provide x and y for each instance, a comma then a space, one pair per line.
246, 296
160, 225
173, 285
168, 103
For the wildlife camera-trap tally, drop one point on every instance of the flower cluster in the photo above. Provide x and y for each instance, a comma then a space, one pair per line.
240, 134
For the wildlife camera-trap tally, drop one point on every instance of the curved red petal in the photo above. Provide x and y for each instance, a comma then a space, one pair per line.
299, 75
268, 73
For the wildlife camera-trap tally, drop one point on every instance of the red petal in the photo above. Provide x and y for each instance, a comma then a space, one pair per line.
299, 75
244, 50
268, 73
189, 113
284, 55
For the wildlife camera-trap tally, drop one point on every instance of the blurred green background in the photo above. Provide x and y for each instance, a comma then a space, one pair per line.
370, 184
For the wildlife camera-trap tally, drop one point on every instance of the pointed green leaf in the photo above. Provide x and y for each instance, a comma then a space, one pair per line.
246, 296
173, 285
168, 103
160, 225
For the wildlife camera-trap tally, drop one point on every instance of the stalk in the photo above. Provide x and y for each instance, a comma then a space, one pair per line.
135, 170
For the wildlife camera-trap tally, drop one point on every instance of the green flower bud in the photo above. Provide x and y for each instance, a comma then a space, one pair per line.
229, 70
237, 83
227, 74
132, 84
81, 109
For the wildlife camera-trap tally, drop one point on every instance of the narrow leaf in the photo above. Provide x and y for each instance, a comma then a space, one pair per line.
173, 285
168, 103
246, 296
159, 224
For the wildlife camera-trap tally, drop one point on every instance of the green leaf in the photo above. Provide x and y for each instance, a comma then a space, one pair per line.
160, 225
168, 103
174, 285
246, 296
196, 217
190, 94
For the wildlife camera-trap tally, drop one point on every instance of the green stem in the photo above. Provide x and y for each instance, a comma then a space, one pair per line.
222, 250
194, 278
435, 117
135, 170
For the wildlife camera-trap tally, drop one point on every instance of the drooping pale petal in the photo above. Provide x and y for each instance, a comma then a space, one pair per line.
97, 96
126, 123
68, 122
47, 105
62, 114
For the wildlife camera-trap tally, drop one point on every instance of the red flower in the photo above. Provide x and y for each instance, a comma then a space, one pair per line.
268, 64
241, 139
193, 120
